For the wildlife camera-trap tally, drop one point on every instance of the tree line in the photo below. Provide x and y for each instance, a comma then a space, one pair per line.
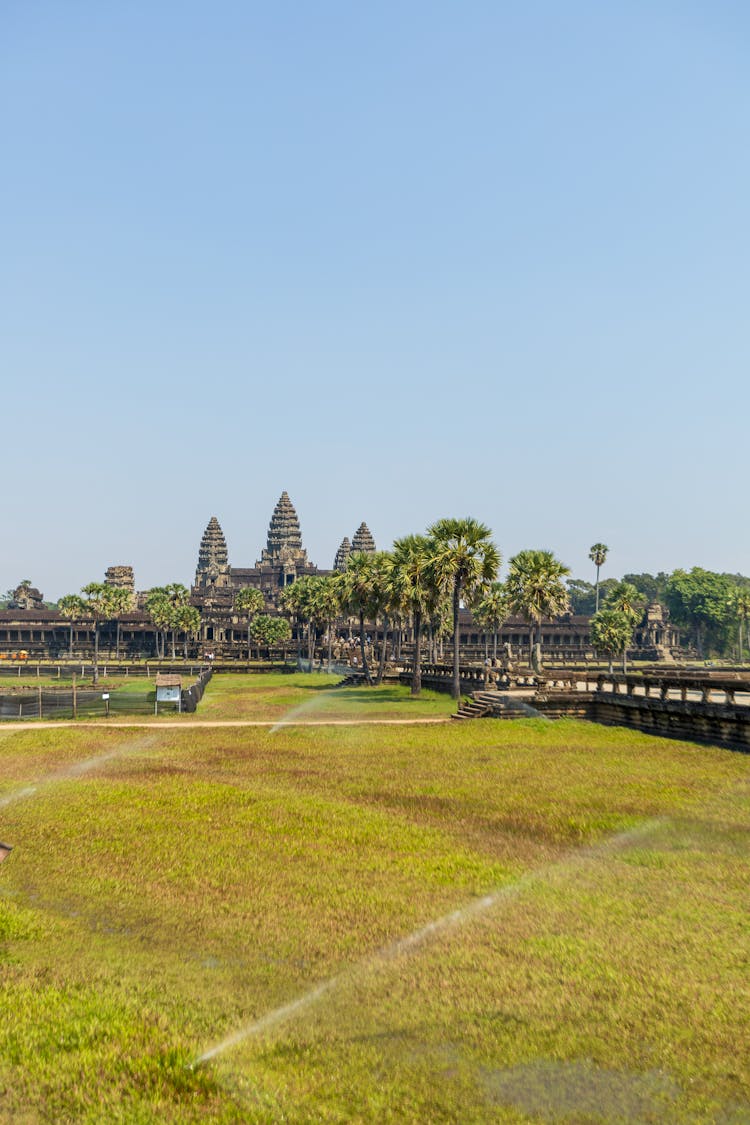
424, 580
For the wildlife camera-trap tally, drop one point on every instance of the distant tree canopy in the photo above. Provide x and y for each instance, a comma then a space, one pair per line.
582, 594
706, 605
653, 587
702, 601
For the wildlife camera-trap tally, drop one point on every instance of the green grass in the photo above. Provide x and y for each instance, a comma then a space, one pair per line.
311, 696
196, 879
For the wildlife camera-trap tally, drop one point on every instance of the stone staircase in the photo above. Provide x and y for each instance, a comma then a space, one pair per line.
473, 708
495, 705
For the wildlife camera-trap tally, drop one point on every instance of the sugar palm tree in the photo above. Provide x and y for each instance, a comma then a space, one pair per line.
612, 631
326, 607
249, 600
97, 606
355, 587
412, 582
178, 597
492, 612
121, 601
536, 590
71, 606
598, 555
298, 602
382, 601
626, 599
188, 622
464, 561
161, 611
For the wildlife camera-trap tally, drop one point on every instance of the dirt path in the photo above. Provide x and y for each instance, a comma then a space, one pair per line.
158, 724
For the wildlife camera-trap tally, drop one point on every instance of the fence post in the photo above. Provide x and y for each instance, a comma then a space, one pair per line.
39, 689
75, 701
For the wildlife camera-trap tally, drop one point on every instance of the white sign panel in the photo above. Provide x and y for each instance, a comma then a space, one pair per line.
167, 695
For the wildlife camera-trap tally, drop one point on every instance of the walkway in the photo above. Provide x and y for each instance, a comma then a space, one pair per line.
159, 724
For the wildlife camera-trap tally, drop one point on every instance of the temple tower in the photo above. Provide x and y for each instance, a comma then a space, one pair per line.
342, 554
213, 557
363, 540
121, 577
284, 543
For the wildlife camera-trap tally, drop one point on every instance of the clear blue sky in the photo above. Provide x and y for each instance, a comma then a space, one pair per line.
405, 260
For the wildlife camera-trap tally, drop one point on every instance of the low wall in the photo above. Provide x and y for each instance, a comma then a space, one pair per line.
699, 708
711, 707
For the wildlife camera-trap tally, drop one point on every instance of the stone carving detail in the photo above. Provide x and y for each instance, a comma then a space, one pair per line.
363, 540
121, 577
213, 557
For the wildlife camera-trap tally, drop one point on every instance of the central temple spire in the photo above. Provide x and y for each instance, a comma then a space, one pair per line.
284, 543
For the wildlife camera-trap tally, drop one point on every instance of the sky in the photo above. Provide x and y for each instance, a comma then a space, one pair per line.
404, 260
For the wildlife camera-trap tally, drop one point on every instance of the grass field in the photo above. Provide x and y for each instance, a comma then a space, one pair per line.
169, 888
311, 696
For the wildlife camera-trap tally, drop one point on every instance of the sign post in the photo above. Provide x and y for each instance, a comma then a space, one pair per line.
168, 690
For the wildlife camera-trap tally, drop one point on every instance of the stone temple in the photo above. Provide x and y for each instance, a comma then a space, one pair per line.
282, 561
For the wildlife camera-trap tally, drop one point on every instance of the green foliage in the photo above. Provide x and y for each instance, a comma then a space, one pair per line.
464, 559
582, 596
412, 574
249, 600
598, 554
464, 562
625, 599
652, 587
612, 630
535, 585
701, 601
494, 608
267, 631
72, 607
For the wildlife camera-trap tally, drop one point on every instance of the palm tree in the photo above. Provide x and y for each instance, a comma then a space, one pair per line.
121, 601
297, 601
411, 582
382, 601
492, 612
72, 607
178, 597
612, 631
97, 606
249, 600
188, 622
536, 590
626, 599
326, 607
464, 561
355, 589
598, 555
161, 611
